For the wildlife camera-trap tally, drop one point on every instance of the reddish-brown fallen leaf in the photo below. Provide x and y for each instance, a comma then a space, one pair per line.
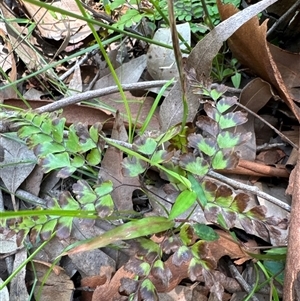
110, 290
91, 282
250, 47
181, 272
225, 245
111, 169
201, 57
56, 287
289, 66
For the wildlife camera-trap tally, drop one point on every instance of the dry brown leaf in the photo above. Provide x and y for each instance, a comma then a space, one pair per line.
289, 66
127, 73
59, 27
8, 241
21, 47
7, 59
56, 287
203, 53
111, 169
139, 107
181, 272
225, 245
18, 288
91, 282
184, 293
246, 150
171, 110
250, 47
110, 290
256, 94
75, 85
18, 162
199, 62
56, 268
32, 183
271, 156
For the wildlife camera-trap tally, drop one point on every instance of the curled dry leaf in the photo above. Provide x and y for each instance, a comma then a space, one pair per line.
203, 53
250, 47
256, 94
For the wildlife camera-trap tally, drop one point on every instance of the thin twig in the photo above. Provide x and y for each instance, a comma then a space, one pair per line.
283, 18
285, 138
71, 70
84, 96
239, 278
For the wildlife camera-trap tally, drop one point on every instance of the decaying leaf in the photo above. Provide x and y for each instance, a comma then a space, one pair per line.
22, 46
160, 60
110, 289
58, 287
18, 163
254, 51
203, 53
111, 170
56, 26
4, 294
8, 242
256, 94
127, 73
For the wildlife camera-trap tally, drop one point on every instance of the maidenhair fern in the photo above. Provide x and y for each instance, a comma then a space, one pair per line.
194, 154
212, 148
78, 148
96, 200
190, 156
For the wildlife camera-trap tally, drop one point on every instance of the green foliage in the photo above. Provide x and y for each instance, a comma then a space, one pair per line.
183, 202
184, 248
45, 134
185, 11
93, 199
205, 232
191, 154
223, 69
211, 148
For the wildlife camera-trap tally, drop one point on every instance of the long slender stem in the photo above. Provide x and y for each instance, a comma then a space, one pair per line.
111, 68
179, 63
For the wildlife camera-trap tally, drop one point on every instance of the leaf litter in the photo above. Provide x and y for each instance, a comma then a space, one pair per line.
226, 207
